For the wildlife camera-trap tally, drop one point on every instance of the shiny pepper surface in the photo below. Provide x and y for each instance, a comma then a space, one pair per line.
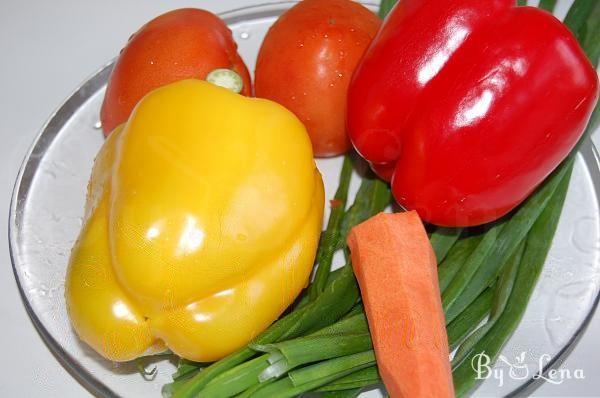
202, 220
467, 105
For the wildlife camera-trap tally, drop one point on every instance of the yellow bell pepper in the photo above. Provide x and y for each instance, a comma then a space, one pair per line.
202, 220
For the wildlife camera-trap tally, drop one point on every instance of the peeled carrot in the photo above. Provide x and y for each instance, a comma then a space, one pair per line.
396, 269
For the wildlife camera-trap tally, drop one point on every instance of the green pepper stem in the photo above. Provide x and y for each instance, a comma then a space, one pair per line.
226, 78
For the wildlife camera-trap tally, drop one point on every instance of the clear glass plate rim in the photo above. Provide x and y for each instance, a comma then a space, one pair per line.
91, 85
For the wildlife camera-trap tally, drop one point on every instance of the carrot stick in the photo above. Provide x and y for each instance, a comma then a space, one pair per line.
397, 274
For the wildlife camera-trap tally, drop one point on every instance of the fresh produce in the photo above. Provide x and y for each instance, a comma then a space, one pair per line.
470, 319
361, 378
583, 20
456, 258
470, 266
331, 235
397, 272
442, 240
504, 323
486, 261
501, 277
195, 238
204, 209
306, 62
181, 44
503, 289
468, 105
325, 312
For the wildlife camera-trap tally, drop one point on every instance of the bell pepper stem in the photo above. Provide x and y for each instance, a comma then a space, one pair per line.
226, 78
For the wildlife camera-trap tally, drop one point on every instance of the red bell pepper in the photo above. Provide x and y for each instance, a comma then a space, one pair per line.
467, 105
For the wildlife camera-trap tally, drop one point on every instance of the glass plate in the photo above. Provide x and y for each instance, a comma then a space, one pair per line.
46, 214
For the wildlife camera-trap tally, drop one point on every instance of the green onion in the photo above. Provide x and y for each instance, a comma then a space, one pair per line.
373, 197
361, 378
548, 5
356, 310
503, 290
590, 41
193, 386
336, 386
579, 18
442, 240
456, 258
336, 300
512, 233
185, 367
347, 364
470, 318
312, 377
355, 324
281, 389
304, 299
536, 249
250, 392
236, 380
474, 262
290, 354
385, 7
168, 390
330, 237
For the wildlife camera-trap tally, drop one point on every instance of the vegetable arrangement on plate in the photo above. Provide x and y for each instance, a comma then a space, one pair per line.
204, 208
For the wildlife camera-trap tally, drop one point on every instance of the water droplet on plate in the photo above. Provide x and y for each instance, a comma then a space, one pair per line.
245, 35
98, 125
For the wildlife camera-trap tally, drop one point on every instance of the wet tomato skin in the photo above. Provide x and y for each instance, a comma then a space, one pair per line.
180, 44
306, 62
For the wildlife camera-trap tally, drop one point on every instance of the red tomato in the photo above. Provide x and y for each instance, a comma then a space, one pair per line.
307, 60
181, 44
